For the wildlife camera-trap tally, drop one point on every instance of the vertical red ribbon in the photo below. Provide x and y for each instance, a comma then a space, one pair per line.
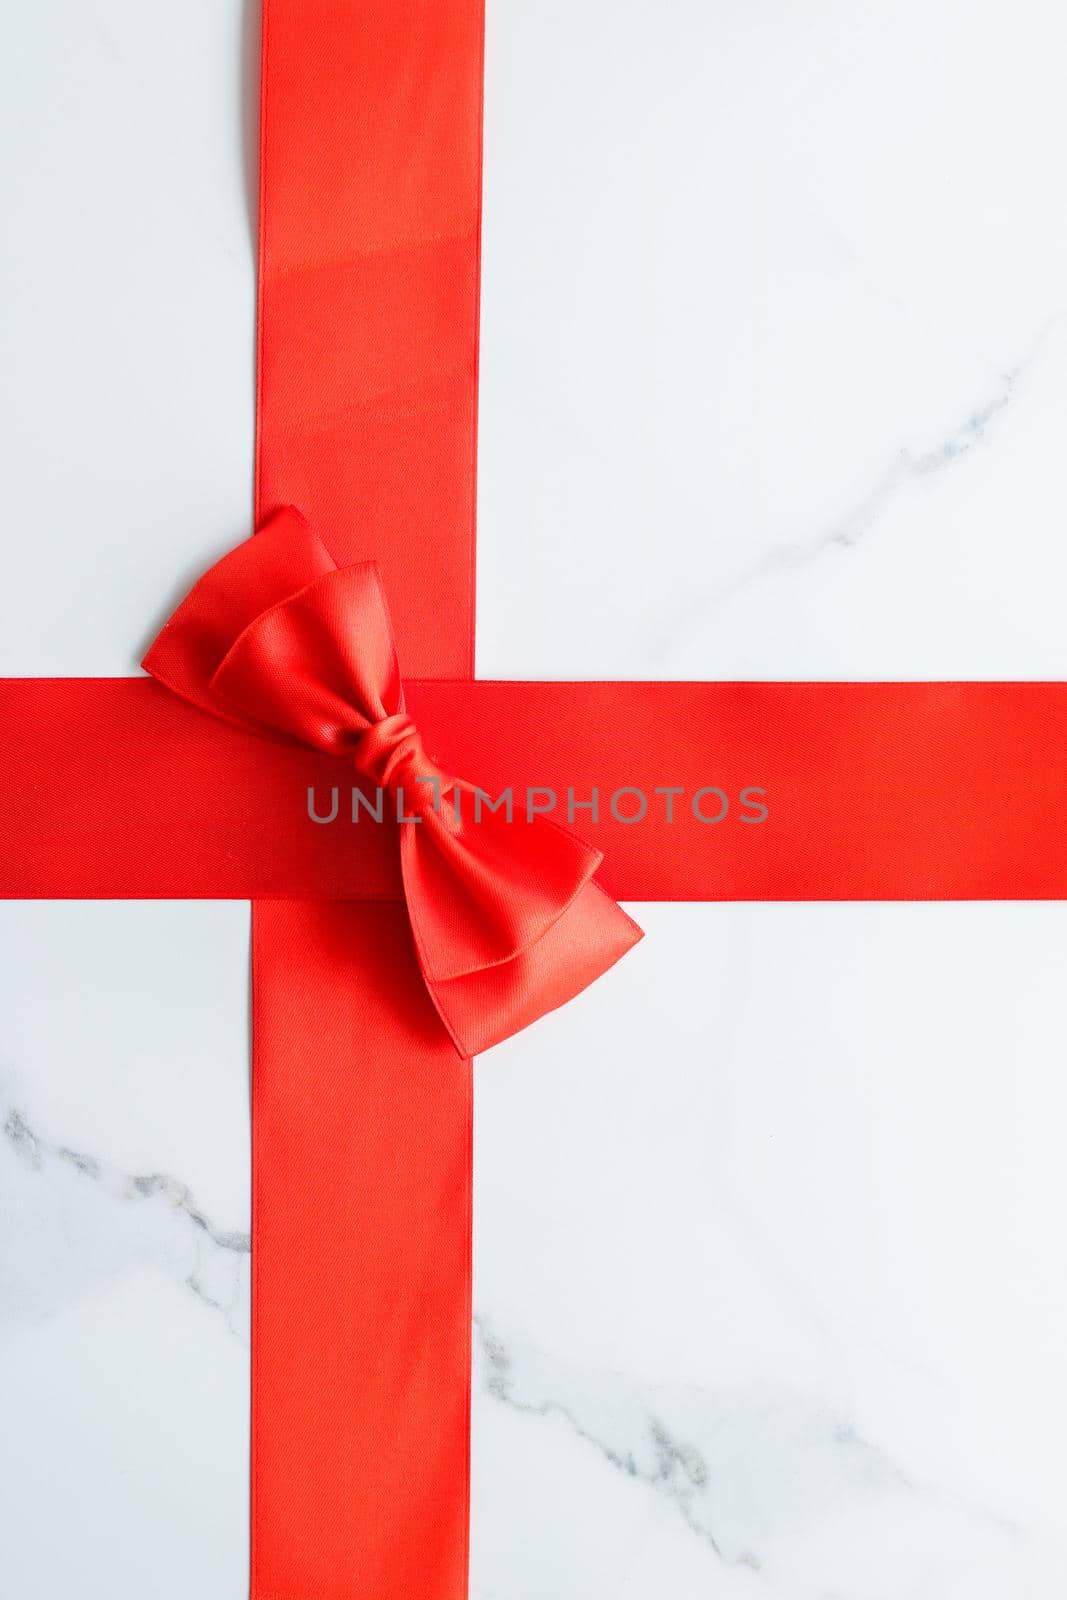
366, 407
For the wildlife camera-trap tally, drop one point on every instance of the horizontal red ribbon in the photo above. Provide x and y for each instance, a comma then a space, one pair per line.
112, 789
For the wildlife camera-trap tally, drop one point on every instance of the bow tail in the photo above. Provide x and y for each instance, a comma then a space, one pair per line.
483, 1007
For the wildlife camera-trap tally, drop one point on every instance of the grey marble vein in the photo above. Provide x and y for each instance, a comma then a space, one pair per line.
746, 1469
94, 1222
133, 1185
973, 430
742, 1468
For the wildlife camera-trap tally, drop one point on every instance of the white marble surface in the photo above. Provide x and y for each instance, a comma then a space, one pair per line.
771, 1288
774, 349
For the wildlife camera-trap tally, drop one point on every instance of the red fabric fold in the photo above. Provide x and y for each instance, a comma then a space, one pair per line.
506, 919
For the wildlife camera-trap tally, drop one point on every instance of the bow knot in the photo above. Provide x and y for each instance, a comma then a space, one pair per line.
391, 756
507, 921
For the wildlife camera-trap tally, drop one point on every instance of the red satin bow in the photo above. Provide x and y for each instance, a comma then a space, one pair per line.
507, 920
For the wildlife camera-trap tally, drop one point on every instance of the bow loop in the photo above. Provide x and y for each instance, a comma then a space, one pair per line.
507, 920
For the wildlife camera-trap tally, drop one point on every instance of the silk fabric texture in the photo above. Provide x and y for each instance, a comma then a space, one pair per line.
369, 244
507, 920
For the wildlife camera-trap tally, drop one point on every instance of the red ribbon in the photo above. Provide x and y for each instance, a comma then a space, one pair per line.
506, 918
367, 369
